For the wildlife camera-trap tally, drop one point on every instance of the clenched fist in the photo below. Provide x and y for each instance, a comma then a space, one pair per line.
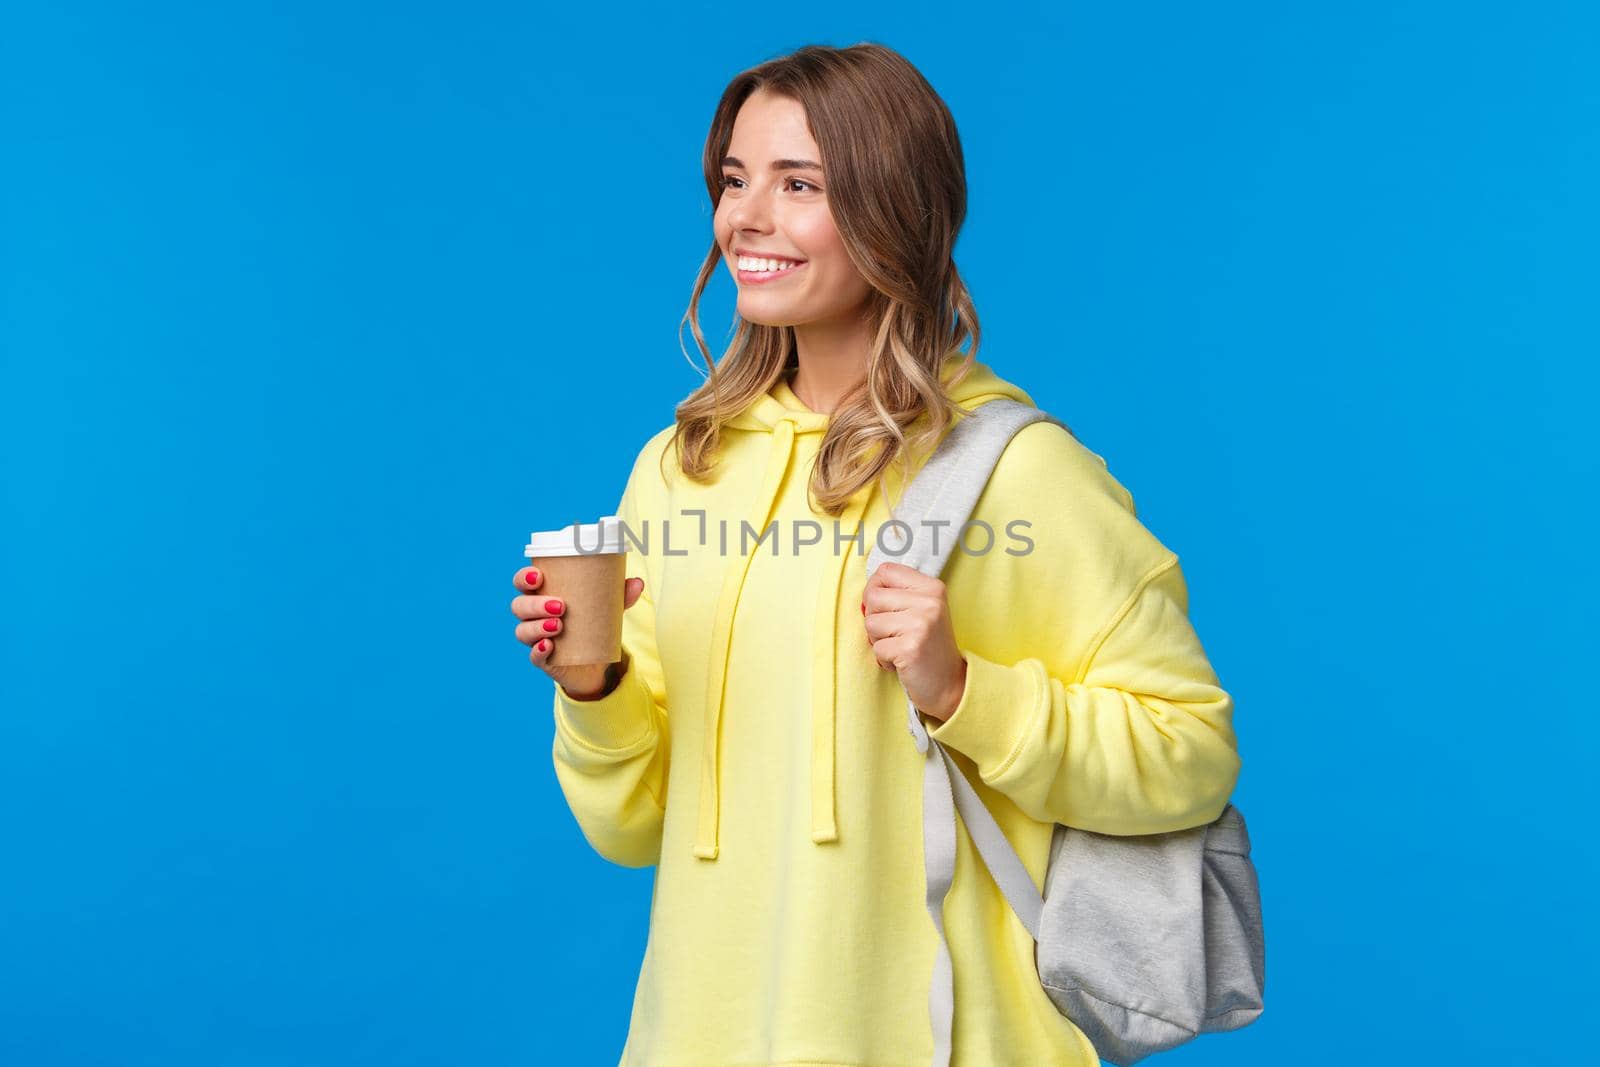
908, 625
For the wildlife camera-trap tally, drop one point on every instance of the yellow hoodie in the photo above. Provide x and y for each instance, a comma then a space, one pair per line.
756, 753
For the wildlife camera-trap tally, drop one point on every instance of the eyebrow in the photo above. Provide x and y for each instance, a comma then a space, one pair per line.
777, 164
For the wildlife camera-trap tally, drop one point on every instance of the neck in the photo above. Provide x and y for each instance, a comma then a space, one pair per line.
832, 359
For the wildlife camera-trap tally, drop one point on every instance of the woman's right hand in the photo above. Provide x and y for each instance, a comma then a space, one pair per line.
541, 625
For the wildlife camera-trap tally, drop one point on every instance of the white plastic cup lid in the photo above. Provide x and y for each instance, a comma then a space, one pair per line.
579, 539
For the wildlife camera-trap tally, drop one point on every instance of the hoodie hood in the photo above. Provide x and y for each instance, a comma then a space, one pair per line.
780, 414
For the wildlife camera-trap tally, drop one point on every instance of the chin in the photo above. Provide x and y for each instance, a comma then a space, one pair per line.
768, 317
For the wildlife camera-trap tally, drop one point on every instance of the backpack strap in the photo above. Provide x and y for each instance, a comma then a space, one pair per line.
941, 497
934, 510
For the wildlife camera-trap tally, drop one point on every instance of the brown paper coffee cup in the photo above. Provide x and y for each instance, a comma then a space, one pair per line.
585, 566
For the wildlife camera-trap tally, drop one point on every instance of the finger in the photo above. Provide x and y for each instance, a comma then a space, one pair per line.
890, 575
541, 650
529, 633
894, 624
537, 607
632, 592
880, 625
887, 651
895, 598
528, 579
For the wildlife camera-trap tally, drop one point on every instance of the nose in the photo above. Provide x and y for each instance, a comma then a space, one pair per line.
752, 210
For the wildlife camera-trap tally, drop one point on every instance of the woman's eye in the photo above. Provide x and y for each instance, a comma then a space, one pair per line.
728, 181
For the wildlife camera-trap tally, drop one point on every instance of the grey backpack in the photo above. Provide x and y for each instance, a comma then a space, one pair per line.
1144, 941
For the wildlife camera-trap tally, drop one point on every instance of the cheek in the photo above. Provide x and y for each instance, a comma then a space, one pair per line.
817, 238
834, 272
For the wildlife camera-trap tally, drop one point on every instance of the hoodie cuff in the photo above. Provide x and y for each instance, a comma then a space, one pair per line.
622, 720
996, 708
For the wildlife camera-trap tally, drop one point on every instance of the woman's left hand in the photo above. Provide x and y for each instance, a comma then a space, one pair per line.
908, 625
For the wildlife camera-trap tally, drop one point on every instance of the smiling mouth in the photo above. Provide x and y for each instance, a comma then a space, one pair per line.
760, 276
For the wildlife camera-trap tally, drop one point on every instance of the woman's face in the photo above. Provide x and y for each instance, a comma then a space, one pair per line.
774, 206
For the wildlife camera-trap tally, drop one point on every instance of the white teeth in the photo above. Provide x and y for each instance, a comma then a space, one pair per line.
757, 263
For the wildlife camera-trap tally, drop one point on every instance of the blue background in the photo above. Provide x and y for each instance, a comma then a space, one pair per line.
312, 312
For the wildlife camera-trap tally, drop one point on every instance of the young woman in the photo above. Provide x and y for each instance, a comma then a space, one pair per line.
752, 742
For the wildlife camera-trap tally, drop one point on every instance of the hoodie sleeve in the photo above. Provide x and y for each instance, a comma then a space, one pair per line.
1089, 699
611, 754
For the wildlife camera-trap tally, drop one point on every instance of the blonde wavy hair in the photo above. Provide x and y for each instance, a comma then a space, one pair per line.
898, 196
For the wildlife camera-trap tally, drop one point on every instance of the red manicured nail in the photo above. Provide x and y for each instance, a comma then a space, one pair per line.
543, 644
553, 606
550, 626
533, 577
